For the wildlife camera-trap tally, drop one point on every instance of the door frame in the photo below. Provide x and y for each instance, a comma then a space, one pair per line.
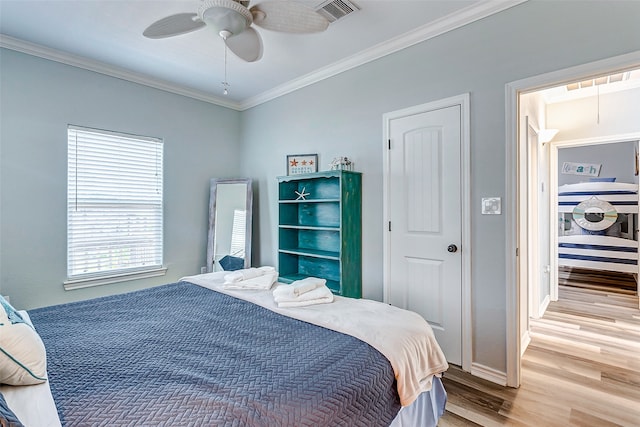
465, 193
515, 209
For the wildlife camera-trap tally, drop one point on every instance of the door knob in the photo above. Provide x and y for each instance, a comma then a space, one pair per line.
452, 248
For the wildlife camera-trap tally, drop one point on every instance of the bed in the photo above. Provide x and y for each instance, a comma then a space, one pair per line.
194, 353
597, 226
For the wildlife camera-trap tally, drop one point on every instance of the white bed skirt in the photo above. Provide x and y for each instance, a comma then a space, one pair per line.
426, 410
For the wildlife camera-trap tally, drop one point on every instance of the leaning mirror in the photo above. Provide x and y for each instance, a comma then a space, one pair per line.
230, 211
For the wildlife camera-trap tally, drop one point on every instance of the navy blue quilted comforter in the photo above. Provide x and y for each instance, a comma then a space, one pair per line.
182, 355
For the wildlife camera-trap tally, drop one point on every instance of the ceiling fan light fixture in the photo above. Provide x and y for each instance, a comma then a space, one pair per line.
225, 15
233, 21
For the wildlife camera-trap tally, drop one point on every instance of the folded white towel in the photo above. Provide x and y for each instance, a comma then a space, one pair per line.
298, 287
264, 282
321, 295
247, 273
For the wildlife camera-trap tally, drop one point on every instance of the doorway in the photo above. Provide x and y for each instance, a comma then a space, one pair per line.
528, 196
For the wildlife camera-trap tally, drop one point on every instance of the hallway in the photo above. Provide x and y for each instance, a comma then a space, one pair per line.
582, 368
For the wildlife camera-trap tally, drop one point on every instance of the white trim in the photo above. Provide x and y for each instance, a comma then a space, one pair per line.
512, 291
386, 186
512, 92
527, 184
620, 63
88, 282
553, 213
32, 49
608, 139
543, 307
467, 328
465, 183
524, 343
428, 31
489, 374
474, 12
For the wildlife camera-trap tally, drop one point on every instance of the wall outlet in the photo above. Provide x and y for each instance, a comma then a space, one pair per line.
203, 270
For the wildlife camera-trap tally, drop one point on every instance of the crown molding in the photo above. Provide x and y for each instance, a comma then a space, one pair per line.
433, 29
40, 51
428, 31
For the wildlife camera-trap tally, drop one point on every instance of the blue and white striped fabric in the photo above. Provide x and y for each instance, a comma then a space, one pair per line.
598, 252
623, 196
606, 248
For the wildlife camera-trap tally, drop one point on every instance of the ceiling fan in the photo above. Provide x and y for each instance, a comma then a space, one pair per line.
233, 19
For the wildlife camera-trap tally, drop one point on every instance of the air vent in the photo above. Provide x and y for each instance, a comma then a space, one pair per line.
336, 9
599, 81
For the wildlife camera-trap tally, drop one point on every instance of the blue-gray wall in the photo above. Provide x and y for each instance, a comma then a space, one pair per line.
39, 98
338, 116
617, 160
343, 116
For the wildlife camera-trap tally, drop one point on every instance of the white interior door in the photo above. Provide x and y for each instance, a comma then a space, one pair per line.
424, 207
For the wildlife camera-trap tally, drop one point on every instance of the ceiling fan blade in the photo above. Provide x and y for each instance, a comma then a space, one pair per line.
247, 45
288, 17
173, 25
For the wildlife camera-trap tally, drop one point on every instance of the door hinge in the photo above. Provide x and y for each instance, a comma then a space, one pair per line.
389, 225
389, 141
517, 251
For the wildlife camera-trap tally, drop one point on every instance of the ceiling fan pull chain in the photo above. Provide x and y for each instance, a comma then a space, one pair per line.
225, 85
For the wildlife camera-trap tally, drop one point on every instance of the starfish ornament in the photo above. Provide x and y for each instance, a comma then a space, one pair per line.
302, 194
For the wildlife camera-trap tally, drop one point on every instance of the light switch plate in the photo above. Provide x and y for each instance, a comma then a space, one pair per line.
491, 206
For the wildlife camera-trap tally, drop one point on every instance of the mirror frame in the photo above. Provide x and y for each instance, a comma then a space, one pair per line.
212, 218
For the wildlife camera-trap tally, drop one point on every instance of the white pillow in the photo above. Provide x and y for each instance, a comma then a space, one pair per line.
23, 359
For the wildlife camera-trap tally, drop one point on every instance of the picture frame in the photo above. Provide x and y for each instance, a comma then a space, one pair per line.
586, 169
302, 163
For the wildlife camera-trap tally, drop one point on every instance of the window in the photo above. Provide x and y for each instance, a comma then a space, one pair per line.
114, 207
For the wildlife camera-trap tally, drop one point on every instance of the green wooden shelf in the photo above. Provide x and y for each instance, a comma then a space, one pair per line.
311, 253
321, 236
302, 227
310, 201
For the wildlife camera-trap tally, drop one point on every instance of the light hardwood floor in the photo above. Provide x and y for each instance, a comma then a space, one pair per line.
582, 368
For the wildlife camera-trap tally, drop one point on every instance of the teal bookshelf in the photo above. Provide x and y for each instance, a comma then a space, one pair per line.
320, 235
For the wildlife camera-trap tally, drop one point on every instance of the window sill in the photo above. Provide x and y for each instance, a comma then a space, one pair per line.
87, 282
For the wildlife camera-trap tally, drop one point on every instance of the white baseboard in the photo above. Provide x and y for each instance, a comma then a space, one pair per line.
524, 342
543, 306
489, 374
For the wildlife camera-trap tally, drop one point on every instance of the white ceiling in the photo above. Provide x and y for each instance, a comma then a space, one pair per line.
106, 36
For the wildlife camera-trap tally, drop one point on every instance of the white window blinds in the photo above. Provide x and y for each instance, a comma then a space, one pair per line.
114, 203
238, 232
